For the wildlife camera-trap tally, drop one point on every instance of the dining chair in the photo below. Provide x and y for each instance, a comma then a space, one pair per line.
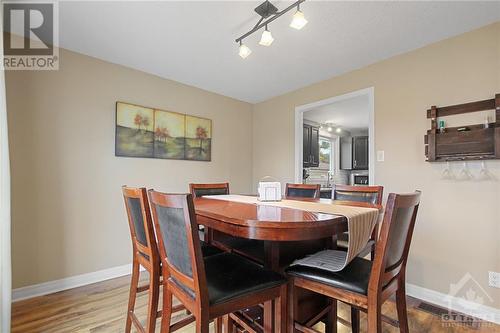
199, 190
145, 254
366, 194
302, 191
210, 287
366, 284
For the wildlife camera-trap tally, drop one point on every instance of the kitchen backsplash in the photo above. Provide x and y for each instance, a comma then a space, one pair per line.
317, 176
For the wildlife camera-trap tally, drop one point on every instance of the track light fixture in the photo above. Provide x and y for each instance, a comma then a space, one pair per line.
267, 38
244, 51
268, 13
298, 21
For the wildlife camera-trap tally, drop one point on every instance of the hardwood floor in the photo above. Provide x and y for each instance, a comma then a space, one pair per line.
101, 307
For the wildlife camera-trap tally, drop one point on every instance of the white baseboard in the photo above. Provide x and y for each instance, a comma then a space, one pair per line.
454, 303
70, 282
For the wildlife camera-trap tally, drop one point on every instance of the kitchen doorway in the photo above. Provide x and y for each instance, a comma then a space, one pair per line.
344, 128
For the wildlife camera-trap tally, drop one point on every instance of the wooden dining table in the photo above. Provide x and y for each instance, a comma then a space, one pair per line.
287, 234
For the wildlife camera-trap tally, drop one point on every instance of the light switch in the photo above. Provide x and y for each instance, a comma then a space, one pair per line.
380, 156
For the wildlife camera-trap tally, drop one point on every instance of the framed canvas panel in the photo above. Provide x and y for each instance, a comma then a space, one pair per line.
169, 141
198, 139
134, 134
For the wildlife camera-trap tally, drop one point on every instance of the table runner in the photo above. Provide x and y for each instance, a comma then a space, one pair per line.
360, 224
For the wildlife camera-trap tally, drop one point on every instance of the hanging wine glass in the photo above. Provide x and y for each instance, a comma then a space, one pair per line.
464, 173
447, 174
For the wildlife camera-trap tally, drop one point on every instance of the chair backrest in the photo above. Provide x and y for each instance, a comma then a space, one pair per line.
140, 222
199, 190
370, 194
391, 253
178, 242
302, 190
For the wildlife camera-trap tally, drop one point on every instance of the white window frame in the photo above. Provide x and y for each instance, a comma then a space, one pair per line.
331, 167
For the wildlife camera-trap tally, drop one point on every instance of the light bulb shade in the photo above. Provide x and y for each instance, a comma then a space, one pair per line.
267, 38
244, 51
338, 130
298, 21
330, 128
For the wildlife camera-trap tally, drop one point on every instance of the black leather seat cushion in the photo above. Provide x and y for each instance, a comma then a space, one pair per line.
353, 278
230, 276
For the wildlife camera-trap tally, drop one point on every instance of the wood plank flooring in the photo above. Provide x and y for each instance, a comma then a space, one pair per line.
101, 307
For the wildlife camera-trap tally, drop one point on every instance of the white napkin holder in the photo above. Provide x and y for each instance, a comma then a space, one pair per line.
269, 191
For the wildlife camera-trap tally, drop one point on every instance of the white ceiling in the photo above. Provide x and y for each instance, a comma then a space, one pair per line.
348, 114
193, 42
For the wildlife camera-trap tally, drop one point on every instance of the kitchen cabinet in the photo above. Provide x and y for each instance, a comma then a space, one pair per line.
354, 153
310, 152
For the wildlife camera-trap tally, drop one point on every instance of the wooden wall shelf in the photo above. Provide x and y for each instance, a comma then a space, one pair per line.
478, 143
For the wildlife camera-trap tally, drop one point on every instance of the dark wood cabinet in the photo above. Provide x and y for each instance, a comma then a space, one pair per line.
310, 152
360, 153
354, 153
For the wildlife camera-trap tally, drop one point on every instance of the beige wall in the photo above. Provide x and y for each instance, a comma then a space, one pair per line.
67, 211
68, 216
458, 228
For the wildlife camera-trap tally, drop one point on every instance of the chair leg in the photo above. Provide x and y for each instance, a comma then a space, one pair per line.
167, 310
280, 311
218, 325
228, 324
202, 324
401, 308
132, 295
154, 293
354, 320
291, 306
374, 317
268, 317
331, 318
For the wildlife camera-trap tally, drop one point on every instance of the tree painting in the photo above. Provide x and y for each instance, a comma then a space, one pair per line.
134, 131
201, 134
161, 134
198, 138
153, 133
169, 135
138, 121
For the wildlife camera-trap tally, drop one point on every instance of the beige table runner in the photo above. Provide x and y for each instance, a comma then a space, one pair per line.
360, 224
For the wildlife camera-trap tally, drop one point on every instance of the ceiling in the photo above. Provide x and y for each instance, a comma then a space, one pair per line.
348, 114
193, 42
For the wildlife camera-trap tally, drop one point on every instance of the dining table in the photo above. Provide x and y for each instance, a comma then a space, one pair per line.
287, 234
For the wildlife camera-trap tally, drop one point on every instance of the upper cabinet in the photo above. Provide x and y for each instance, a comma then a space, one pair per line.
354, 153
310, 151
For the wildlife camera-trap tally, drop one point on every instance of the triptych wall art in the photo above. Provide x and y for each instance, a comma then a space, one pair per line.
154, 133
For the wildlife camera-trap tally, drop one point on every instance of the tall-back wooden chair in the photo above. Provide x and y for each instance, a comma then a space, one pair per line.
366, 284
199, 190
302, 191
367, 194
145, 254
209, 287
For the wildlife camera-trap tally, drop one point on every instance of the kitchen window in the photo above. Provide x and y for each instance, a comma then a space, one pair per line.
326, 154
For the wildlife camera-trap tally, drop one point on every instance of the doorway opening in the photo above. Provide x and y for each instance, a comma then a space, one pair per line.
334, 140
